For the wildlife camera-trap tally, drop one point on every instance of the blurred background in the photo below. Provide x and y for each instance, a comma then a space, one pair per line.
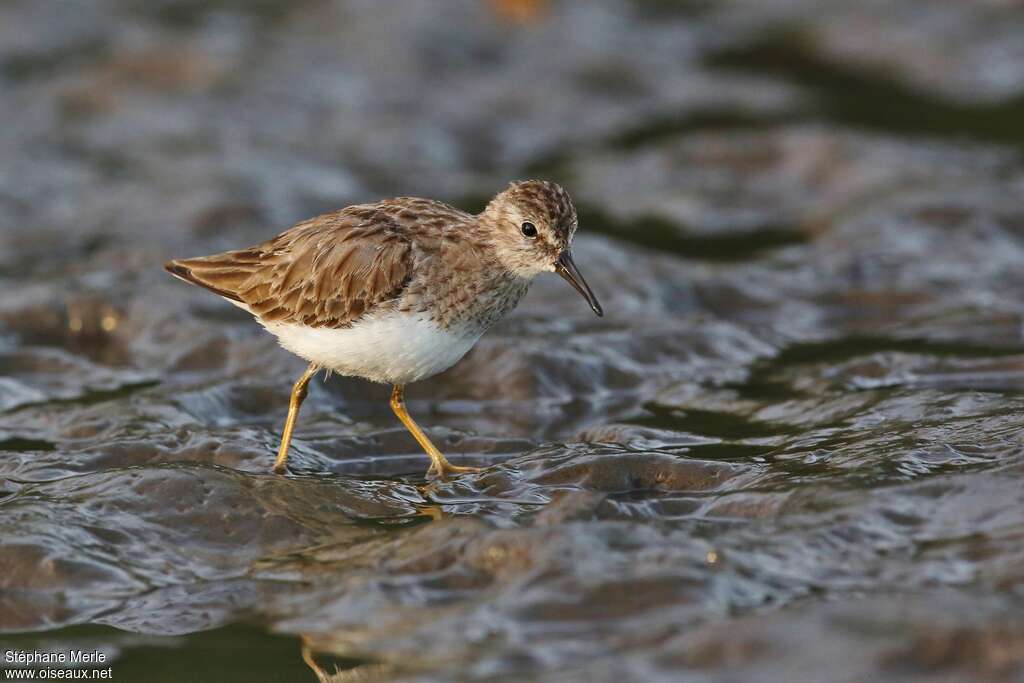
791, 451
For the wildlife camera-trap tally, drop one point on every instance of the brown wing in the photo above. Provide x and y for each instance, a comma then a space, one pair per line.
325, 272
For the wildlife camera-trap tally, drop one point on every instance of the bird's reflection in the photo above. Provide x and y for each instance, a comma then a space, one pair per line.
334, 669
358, 672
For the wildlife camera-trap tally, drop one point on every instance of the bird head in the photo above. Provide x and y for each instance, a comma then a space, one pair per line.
531, 225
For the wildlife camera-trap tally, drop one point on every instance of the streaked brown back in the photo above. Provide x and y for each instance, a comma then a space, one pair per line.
325, 272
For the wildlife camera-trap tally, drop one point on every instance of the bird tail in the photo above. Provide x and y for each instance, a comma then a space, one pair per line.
224, 274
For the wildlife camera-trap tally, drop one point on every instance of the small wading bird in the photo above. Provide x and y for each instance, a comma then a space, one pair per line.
395, 291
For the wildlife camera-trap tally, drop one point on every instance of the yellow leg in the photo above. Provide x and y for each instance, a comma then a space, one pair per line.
307, 657
298, 396
438, 463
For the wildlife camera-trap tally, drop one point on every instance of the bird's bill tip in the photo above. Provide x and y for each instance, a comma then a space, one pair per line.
566, 267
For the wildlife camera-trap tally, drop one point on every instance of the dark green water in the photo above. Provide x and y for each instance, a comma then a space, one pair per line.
229, 654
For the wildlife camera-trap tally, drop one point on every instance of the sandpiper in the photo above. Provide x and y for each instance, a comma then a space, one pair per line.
395, 291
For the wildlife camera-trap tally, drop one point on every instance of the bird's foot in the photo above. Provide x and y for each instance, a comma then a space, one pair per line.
445, 469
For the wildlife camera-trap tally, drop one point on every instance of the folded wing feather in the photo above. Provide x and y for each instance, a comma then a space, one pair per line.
326, 272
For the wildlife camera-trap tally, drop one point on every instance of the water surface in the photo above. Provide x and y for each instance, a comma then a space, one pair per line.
791, 451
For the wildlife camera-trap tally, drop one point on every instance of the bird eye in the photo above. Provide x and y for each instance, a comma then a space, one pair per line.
529, 229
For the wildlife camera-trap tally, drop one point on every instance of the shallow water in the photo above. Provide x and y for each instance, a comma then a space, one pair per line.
791, 451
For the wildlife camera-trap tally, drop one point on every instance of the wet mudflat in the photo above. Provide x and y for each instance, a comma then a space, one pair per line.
791, 451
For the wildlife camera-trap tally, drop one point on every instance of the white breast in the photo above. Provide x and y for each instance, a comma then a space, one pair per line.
395, 348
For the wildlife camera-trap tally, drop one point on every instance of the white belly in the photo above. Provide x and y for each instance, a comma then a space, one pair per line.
395, 348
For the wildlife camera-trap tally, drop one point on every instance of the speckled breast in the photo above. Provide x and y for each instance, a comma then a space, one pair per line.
487, 305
